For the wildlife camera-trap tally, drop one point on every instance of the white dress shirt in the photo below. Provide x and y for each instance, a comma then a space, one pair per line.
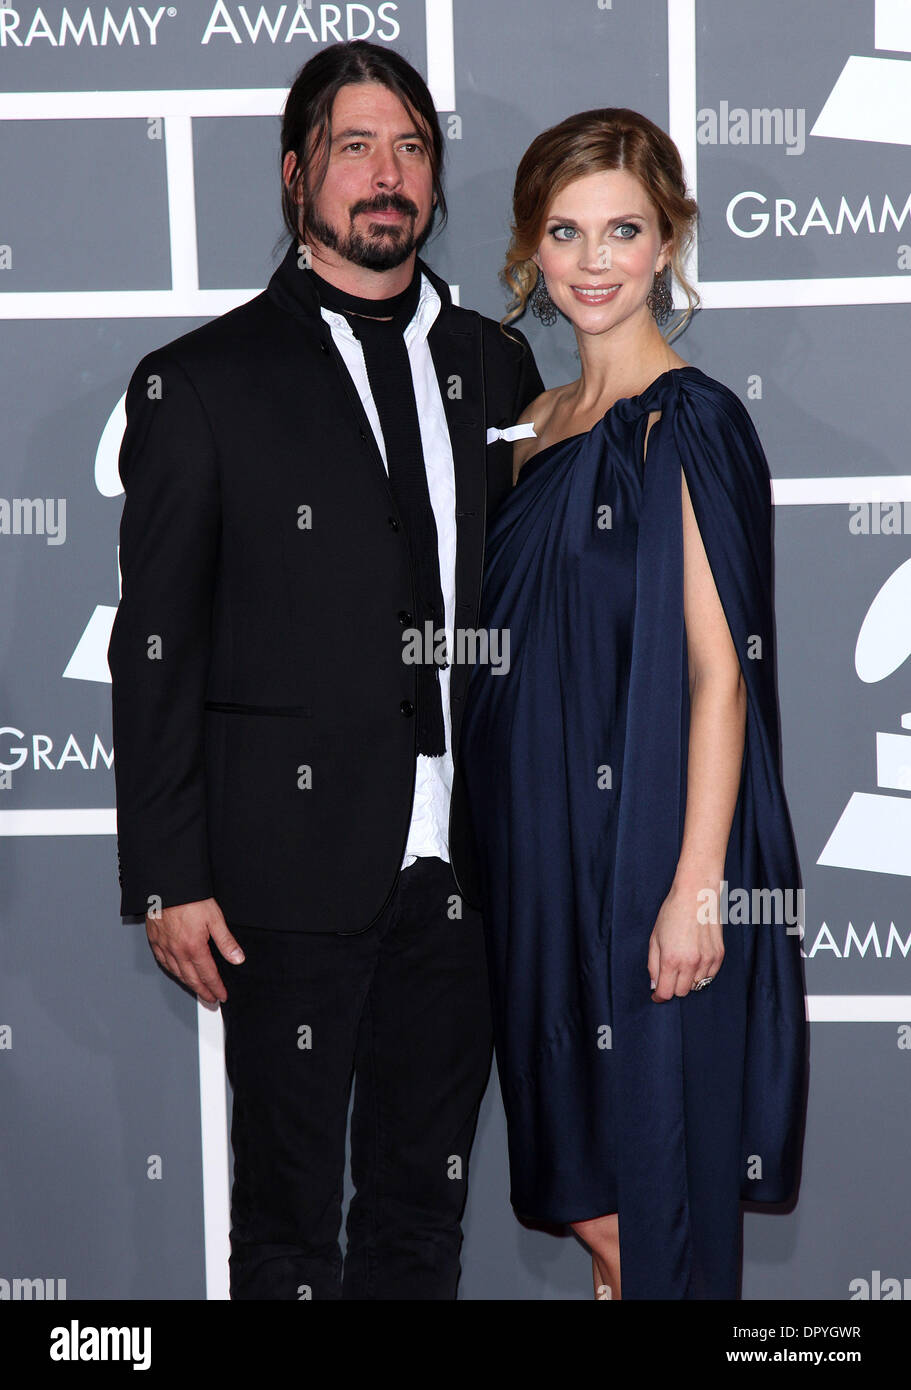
428, 833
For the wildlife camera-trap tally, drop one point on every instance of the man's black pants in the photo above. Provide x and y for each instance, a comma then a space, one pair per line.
404, 1007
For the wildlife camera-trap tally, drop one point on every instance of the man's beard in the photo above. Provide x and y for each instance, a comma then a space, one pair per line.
376, 250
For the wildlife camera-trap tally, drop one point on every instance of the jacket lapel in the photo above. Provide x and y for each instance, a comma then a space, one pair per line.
456, 348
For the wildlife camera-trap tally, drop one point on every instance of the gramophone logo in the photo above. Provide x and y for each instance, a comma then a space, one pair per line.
874, 832
872, 101
872, 98
89, 661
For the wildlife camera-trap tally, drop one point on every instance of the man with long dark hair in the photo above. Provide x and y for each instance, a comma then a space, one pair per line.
307, 484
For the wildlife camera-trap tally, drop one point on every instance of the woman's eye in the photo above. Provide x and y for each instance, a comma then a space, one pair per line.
625, 230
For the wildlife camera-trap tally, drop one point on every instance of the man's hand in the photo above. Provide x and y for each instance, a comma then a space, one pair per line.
179, 939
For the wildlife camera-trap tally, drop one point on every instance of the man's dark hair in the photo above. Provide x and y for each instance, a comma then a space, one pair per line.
305, 123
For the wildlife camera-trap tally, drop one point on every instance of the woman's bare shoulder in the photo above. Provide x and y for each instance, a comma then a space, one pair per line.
537, 413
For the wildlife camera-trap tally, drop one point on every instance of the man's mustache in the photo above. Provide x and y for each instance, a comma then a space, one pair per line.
385, 203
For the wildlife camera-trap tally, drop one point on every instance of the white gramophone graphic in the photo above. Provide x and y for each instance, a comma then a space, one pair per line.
871, 99
874, 831
89, 661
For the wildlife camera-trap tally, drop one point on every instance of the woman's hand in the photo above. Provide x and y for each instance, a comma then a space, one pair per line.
687, 943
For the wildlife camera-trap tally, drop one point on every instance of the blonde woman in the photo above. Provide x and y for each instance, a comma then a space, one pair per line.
623, 775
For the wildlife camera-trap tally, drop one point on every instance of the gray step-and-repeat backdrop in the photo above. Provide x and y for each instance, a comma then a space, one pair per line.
138, 198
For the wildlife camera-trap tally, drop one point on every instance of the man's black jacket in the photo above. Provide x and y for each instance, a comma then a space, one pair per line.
264, 738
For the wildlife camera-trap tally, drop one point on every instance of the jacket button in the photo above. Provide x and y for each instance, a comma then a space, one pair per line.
405, 618
407, 708
324, 347
393, 523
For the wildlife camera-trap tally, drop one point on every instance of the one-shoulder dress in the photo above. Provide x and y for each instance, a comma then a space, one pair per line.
574, 752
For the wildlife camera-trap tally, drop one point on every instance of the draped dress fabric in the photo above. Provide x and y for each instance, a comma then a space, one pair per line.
575, 760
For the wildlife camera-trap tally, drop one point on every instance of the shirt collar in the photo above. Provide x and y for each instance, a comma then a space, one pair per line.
429, 304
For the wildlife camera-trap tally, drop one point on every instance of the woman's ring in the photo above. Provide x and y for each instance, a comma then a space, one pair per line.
701, 984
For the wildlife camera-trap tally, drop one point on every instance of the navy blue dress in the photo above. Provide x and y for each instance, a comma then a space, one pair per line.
575, 762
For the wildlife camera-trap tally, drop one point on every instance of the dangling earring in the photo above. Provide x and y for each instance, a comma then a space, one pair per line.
542, 306
659, 298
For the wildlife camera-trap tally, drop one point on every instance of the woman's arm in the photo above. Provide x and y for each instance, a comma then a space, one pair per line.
684, 946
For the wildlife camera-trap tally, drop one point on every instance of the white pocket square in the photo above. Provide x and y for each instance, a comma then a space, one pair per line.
513, 432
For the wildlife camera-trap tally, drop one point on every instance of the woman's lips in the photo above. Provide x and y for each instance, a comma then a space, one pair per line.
601, 295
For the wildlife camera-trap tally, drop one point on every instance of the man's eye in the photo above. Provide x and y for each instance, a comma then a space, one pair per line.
414, 147
355, 144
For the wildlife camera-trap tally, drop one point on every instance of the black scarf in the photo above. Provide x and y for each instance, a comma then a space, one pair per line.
379, 325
